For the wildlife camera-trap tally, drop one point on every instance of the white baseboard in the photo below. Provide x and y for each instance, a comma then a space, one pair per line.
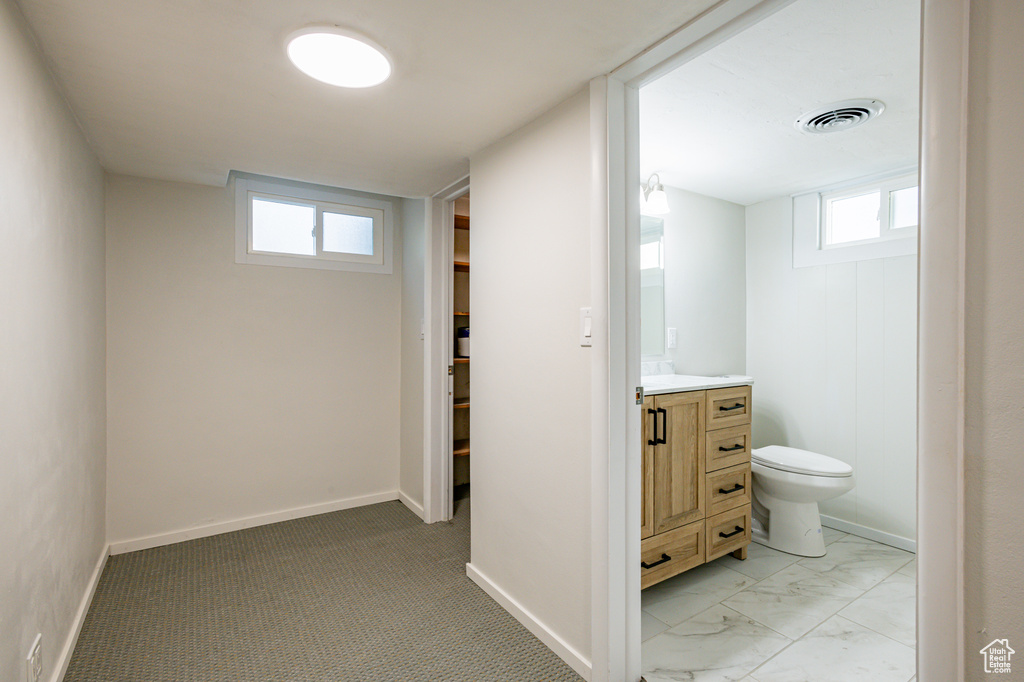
83, 608
541, 631
416, 509
870, 533
249, 522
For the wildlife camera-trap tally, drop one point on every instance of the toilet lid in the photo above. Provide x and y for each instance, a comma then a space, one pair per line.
800, 461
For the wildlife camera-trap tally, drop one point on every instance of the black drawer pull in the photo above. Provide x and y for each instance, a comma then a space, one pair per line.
730, 491
664, 425
655, 413
737, 406
663, 559
732, 449
729, 535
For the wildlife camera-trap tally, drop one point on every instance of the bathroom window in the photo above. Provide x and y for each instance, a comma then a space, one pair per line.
873, 212
856, 222
305, 226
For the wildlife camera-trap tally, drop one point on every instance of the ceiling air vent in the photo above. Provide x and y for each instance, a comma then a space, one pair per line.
839, 116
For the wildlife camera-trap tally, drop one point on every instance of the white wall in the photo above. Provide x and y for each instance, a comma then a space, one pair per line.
705, 291
52, 402
530, 377
994, 548
413, 302
238, 390
833, 352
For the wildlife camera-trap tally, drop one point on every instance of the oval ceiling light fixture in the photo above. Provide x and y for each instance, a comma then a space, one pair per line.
337, 56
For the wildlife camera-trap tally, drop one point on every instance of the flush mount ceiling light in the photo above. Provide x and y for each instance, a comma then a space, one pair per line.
839, 116
338, 56
655, 199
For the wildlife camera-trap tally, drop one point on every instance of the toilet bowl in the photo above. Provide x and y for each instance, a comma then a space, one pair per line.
788, 485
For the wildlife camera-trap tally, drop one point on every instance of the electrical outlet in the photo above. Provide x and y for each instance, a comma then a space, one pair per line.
671, 338
34, 660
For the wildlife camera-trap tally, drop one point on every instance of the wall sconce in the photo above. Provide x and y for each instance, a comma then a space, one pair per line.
655, 197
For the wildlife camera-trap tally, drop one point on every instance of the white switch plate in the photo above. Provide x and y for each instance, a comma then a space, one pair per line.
671, 337
586, 328
34, 660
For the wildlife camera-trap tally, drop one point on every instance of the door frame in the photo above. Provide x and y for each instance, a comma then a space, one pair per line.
438, 342
616, 489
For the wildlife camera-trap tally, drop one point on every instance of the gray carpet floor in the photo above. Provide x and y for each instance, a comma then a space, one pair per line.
362, 594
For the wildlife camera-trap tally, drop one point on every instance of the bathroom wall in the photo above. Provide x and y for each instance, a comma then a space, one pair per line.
239, 391
705, 283
833, 352
52, 345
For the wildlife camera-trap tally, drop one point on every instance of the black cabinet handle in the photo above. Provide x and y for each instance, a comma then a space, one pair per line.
655, 413
664, 425
729, 535
737, 406
732, 449
730, 491
663, 559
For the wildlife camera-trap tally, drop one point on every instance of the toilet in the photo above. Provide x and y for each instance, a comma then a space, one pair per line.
788, 485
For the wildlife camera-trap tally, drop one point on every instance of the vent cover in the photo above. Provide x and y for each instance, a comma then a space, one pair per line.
839, 116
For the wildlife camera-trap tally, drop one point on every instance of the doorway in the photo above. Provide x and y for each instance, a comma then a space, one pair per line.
758, 145
940, 416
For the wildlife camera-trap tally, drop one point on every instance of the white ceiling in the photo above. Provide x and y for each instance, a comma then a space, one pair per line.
192, 89
722, 124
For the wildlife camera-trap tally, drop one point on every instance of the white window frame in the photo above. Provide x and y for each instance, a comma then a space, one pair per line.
810, 216
331, 200
885, 188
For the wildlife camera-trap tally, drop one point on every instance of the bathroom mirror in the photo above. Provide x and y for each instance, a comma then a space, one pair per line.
652, 286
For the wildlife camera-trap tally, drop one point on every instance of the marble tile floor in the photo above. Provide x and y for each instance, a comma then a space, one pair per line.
776, 617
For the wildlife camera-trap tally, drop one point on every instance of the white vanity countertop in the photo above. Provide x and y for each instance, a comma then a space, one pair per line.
657, 384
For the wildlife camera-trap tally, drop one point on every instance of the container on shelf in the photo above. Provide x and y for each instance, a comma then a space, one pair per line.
462, 342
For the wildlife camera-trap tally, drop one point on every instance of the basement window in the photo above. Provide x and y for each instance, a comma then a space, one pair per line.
870, 220
306, 226
874, 212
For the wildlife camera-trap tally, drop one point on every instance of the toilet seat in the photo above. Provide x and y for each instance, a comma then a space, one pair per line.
799, 461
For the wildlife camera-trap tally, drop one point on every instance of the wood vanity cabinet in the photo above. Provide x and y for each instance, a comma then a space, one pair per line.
696, 480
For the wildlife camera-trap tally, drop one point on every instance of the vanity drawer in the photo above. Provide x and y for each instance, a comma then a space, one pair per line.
727, 407
683, 546
728, 489
727, 447
727, 532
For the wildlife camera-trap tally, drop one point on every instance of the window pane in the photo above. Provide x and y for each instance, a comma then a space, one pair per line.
283, 228
650, 255
853, 218
904, 207
348, 234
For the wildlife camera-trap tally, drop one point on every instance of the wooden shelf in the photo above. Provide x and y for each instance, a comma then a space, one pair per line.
460, 403
461, 361
461, 266
460, 447
462, 222
461, 314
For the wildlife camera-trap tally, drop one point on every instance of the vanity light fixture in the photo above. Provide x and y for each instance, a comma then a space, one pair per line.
337, 56
655, 197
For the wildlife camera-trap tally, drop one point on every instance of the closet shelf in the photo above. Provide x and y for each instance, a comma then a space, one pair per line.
460, 403
461, 314
461, 361
460, 447
461, 266
462, 222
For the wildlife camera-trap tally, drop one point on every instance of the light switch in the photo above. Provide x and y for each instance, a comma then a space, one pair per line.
586, 327
671, 337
